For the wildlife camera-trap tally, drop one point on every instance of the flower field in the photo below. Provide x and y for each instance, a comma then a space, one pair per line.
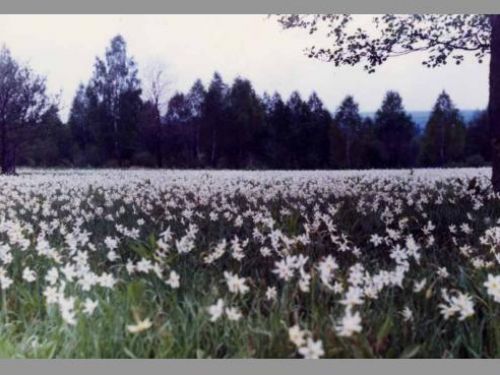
211, 264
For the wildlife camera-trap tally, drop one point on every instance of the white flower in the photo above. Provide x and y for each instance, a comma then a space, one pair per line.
326, 268
130, 267
87, 281
284, 270
235, 284
407, 314
460, 304
69, 271
443, 272
350, 324
144, 265
29, 275
173, 280
112, 255
493, 287
233, 313
216, 310
5, 282
296, 335
413, 248
89, 306
418, 286
51, 295
111, 243
142, 325
376, 240
354, 296
52, 276
107, 280
312, 350
265, 251
304, 282
66, 307
271, 293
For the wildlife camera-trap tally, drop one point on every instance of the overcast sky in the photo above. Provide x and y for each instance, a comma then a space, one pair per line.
64, 48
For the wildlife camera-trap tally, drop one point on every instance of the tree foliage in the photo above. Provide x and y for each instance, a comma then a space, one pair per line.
354, 41
23, 102
226, 125
444, 138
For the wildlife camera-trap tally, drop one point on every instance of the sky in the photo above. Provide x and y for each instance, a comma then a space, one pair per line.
64, 48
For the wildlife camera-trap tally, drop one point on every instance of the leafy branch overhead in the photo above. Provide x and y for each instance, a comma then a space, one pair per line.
444, 38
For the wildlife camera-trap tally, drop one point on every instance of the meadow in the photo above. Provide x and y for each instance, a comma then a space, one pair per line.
237, 264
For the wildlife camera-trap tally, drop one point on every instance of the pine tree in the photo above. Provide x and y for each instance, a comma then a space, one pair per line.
395, 132
116, 83
277, 149
349, 121
318, 146
443, 141
152, 137
214, 118
300, 119
23, 101
477, 140
246, 118
177, 132
196, 98
368, 154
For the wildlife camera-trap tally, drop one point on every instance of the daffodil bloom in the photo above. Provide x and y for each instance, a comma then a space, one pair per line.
140, 326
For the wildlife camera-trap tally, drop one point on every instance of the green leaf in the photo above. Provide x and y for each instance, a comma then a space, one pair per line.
129, 353
362, 349
385, 330
410, 351
135, 291
140, 249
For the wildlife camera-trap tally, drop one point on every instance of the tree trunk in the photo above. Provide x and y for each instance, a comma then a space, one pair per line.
197, 142
494, 100
159, 146
213, 150
8, 159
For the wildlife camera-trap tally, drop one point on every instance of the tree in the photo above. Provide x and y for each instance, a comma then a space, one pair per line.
318, 147
50, 142
156, 88
349, 122
477, 139
152, 135
369, 154
116, 82
214, 117
80, 125
395, 132
23, 101
300, 121
196, 99
444, 136
278, 130
246, 117
444, 38
178, 138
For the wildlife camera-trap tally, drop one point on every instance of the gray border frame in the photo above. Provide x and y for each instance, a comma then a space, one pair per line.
252, 366
242, 367
248, 6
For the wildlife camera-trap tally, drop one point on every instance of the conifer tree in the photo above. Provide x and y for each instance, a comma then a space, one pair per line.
444, 136
395, 132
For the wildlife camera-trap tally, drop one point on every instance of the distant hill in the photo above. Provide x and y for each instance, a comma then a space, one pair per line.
421, 117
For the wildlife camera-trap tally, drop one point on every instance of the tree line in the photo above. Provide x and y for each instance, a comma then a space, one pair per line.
112, 123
